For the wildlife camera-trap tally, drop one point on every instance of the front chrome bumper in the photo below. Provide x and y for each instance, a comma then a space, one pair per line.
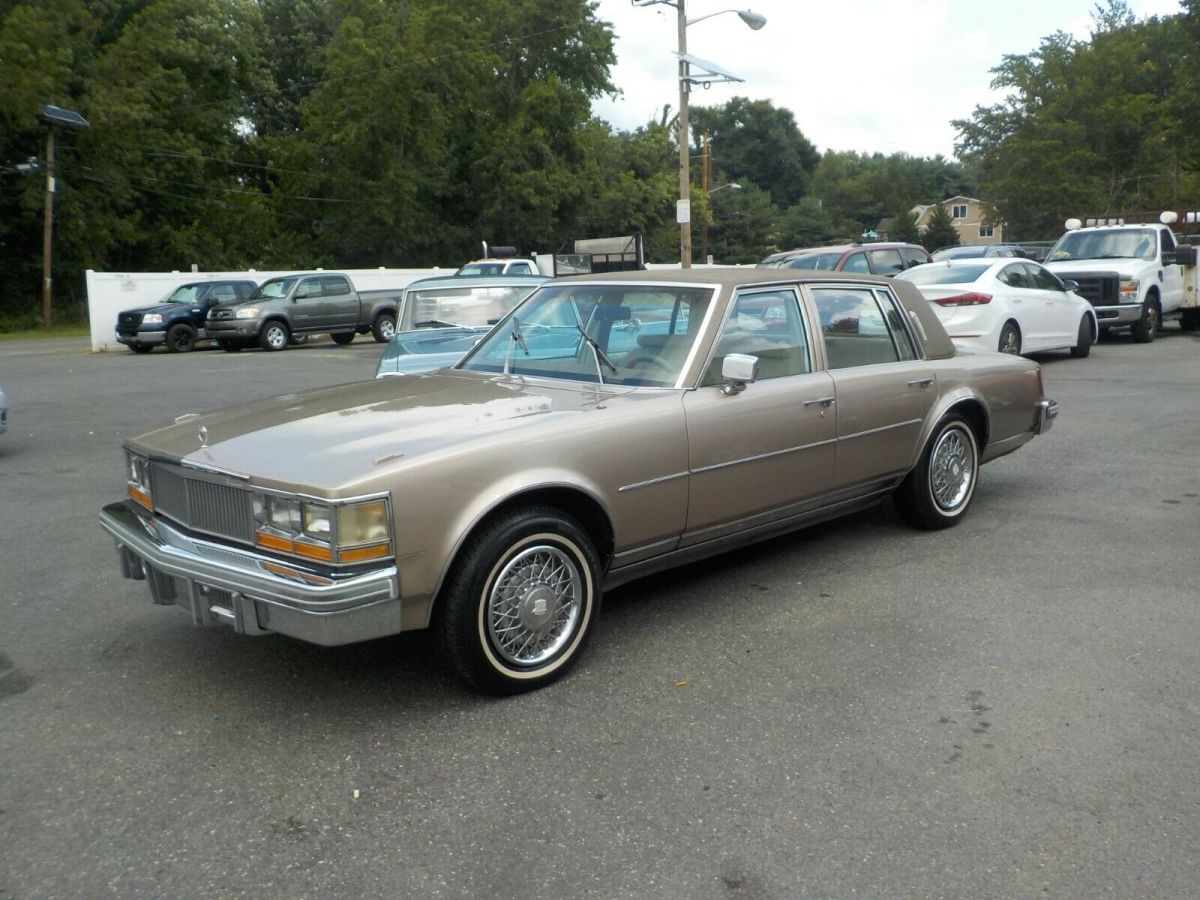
254, 593
142, 337
1118, 316
1047, 412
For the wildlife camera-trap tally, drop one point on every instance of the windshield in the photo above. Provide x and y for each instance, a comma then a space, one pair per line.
1124, 243
945, 274
276, 287
615, 334
456, 305
186, 294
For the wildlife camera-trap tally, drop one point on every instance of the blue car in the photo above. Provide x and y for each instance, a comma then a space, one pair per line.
441, 318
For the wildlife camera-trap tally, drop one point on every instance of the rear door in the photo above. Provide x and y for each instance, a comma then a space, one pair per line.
340, 306
883, 390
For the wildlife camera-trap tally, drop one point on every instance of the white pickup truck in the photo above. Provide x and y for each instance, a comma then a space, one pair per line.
1135, 276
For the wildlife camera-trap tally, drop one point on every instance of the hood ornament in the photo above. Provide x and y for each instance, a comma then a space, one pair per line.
203, 435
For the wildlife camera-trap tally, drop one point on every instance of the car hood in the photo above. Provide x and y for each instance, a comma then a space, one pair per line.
159, 308
334, 439
1097, 266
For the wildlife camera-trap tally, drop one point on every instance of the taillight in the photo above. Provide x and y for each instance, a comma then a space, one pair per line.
972, 298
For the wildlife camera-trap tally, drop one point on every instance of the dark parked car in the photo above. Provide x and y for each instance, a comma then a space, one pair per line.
876, 259
178, 321
982, 251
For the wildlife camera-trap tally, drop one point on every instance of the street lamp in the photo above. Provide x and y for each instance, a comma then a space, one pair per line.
683, 210
55, 117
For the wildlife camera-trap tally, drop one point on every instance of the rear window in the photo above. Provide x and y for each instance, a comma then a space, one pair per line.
823, 262
935, 274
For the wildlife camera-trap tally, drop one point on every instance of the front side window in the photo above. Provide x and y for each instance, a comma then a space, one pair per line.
1042, 279
768, 325
857, 262
309, 288
609, 333
189, 294
886, 262
221, 293
1014, 276
913, 257
855, 329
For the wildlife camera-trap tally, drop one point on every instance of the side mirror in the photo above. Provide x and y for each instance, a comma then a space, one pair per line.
1180, 256
1070, 284
738, 370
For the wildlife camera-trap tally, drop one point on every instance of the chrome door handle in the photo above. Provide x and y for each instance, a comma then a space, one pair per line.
921, 382
824, 401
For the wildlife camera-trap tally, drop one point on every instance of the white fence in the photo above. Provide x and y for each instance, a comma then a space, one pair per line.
109, 292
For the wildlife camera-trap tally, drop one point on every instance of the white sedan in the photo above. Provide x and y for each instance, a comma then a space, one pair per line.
1011, 305
3, 412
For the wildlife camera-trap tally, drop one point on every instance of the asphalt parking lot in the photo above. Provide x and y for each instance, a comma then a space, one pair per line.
1004, 709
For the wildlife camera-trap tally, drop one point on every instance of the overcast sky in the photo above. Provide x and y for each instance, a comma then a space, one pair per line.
869, 75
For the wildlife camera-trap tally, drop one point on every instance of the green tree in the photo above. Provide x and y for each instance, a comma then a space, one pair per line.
904, 227
754, 141
939, 229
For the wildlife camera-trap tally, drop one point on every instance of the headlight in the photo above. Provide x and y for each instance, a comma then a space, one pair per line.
327, 532
152, 319
248, 312
1129, 286
137, 479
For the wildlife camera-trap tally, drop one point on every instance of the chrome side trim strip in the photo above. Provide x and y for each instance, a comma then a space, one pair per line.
894, 425
652, 481
750, 459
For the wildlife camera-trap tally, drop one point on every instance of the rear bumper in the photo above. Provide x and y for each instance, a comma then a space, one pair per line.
1047, 412
220, 584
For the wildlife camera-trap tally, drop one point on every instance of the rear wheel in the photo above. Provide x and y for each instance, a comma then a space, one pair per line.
274, 336
1083, 341
384, 327
937, 493
181, 338
1010, 339
518, 606
229, 345
1189, 319
1146, 327
342, 337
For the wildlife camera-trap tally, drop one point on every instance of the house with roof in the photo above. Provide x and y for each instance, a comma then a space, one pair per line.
969, 217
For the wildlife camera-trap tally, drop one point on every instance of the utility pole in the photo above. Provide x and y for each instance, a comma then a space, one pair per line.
55, 117
683, 212
47, 233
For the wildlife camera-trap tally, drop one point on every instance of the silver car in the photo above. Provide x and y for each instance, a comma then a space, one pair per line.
3, 412
608, 427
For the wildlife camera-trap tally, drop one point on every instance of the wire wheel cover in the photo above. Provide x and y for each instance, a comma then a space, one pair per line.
534, 605
952, 469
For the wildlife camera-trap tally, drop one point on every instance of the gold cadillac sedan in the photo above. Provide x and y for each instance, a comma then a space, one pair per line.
608, 427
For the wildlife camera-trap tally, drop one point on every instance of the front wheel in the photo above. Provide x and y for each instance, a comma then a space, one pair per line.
274, 336
518, 606
1146, 327
229, 345
937, 493
1084, 338
181, 338
342, 337
140, 348
384, 327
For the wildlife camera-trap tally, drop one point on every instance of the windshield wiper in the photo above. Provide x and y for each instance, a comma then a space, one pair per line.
515, 338
600, 355
438, 323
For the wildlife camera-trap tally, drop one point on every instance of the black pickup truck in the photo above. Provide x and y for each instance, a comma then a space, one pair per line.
179, 320
289, 307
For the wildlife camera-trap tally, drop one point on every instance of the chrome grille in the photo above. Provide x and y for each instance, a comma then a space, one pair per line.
201, 504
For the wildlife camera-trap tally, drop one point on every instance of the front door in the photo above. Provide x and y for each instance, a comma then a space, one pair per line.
767, 452
308, 305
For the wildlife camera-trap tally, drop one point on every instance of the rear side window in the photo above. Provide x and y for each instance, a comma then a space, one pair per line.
856, 330
334, 286
221, 293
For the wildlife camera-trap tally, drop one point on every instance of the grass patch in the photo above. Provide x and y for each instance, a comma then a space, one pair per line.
70, 329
